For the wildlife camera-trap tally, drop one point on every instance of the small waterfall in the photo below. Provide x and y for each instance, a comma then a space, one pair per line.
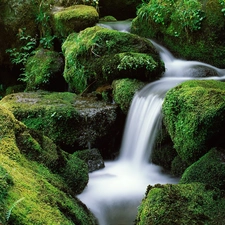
114, 193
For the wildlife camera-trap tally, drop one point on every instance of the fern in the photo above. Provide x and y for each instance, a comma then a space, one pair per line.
8, 214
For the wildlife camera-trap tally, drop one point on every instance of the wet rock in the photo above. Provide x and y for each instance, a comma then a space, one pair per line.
92, 157
71, 121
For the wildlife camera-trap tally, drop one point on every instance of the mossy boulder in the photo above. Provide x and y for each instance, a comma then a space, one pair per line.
194, 117
99, 55
181, 204
44, 71
92, 157
30, 192
73, 122
124, 91
182, 26
209, 169
73, 19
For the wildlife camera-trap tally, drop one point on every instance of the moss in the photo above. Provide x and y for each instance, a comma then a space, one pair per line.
178, 166
30, 193
181, 204
74, 19
124, 91
76, 173
47, 112
182, 25
98, 55
209, 169
194, 117
6, 182
44, 71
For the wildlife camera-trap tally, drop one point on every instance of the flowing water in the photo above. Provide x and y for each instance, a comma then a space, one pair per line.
114, 193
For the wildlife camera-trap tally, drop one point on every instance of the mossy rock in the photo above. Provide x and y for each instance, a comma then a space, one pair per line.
194, 117
72, 122
178, 166
181, 204
124, 91
209, 169
30, 193
44, 71
92, 157
182, 26
99, 55
76, 173
73, 19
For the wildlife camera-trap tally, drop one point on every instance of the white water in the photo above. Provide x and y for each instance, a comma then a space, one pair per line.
114, 193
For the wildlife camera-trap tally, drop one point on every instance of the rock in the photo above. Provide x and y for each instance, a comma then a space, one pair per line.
73, 19
209, 170
44, 71
73, 122
181, 204
92, 157
182, 27
194, 115
97, 56
124, 91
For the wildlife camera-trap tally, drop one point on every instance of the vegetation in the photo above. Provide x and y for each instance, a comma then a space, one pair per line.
194, 117
181, 204
124, 91
182, 25
98, 56
31, 188
209, 170
44, 71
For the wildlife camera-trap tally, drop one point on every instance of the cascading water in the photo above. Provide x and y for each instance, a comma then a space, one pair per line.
114, 193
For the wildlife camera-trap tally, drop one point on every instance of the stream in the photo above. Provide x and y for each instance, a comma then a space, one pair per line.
114, 193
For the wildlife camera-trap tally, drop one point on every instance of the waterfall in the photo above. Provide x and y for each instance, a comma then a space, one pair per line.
114, 193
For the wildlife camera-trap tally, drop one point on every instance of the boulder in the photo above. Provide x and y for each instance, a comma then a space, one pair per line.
182, 27
73, 122
73, 19
194, 115
209, 170
99, 55
190, 203
92, 157
124, 91
44, 70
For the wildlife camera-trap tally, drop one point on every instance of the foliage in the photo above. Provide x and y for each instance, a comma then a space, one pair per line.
222, 3
178, 204
194, 117
20, 57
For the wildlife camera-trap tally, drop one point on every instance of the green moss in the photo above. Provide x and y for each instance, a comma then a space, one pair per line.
99, 55
76, 173
124, 91
209, 169
44, 71
48, 112
194, 117
181, 204
30, 193
182, 25
74, 19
